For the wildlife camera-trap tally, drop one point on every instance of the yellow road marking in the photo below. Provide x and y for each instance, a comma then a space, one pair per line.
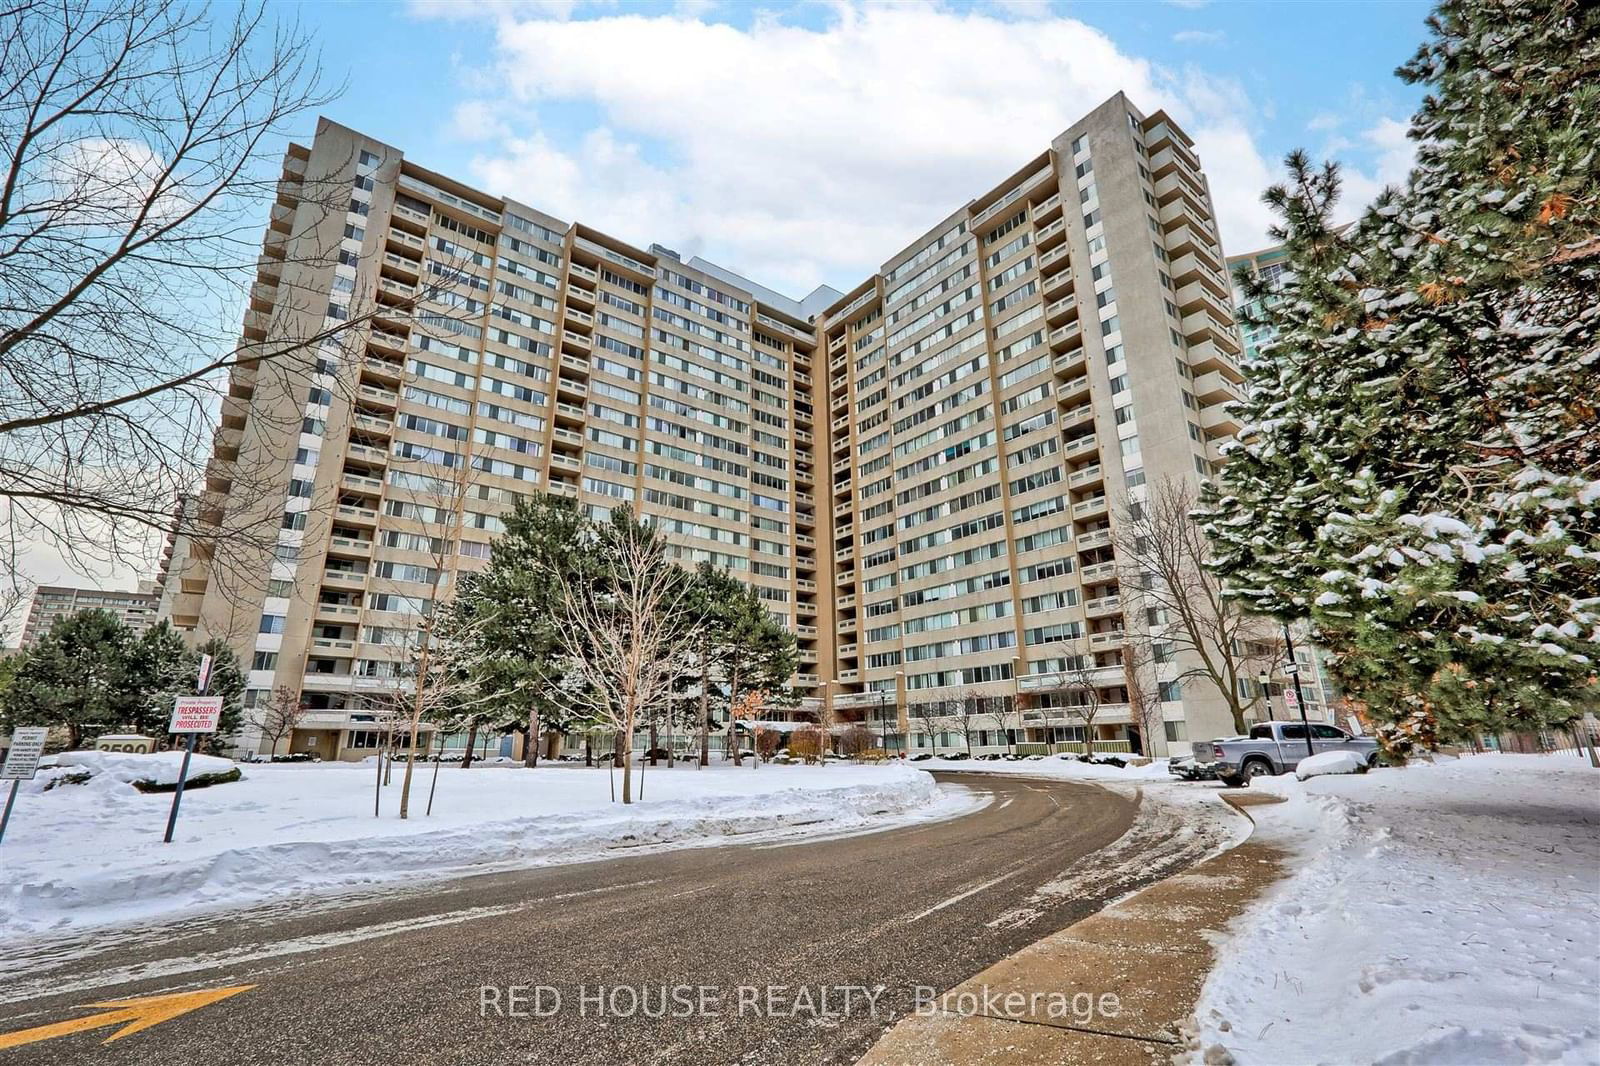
134, 1015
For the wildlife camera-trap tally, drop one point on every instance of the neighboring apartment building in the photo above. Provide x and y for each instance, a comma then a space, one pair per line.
137, 610
920, 476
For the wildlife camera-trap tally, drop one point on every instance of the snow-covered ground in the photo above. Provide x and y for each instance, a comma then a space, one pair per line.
1445, 913
91, 854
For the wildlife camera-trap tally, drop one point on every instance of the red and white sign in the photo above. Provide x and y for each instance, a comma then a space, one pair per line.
195, 714
1290, 700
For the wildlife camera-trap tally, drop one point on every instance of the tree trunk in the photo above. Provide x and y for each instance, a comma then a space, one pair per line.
625, 746
530, 751
616, 749
655, 741
588, 749
416, 727
733, 699
704, 708
472, 739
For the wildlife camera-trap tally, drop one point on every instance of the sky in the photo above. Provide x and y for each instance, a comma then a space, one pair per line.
804, 143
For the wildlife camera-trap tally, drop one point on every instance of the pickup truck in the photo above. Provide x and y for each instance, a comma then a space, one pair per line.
1270, 748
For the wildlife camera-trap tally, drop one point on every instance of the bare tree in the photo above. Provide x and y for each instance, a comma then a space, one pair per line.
1080, 679
625, 635
279, 716
1144, 689
968, 712
1165, 578
1007, 714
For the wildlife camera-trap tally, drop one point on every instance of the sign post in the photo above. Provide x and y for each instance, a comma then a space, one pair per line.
191, 715
22, 762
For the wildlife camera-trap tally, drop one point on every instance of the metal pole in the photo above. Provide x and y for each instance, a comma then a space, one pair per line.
177, 795
11, 799
437, 756
883, 728
1288, 643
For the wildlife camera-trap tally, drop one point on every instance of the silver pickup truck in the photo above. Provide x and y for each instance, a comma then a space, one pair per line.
1271, 748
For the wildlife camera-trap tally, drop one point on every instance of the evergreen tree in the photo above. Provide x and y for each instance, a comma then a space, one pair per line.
79, 676
510, 608
227, 681
1417, 468
163, 668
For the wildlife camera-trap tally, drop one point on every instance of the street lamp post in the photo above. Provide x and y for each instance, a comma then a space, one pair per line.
1292, 668
883, 726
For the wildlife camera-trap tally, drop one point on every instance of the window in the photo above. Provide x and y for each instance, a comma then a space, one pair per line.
1170, 692
264, 660
271, 623
1176, 731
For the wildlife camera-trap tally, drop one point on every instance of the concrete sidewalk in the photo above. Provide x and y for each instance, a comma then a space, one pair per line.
1048, 1003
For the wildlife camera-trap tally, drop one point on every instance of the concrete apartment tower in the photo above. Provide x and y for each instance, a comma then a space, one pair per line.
920, 475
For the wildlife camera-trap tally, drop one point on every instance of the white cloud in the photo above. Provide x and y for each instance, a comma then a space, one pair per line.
802, 155
1392, 156
1199, 37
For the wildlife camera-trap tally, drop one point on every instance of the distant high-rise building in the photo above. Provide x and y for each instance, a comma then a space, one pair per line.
1267, 266
920, 476
51, 603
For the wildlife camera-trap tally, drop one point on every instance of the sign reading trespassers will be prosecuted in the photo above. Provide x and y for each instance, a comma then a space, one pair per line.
195, 714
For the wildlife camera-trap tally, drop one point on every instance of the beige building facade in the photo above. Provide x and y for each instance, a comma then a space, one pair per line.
51, 603
920, 476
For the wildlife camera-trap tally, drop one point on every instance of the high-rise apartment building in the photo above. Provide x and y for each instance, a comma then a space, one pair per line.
51, 603
920, 476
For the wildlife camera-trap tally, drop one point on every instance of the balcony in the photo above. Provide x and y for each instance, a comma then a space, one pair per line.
407, 240
379, 397
1098, 538
402, 264
382, 370
805, 584
845, 627
330, 644
573, 363
563, 488
1061, 309
568, 436
1047, 207
362, 484
1217, 422
1086, 477
1067, 336
847, 651
576, 340
570, 412
1082, 415
1103, 606
577, 294
1111, 639
1051, 235
1216, 386
1098, 572
336, 612
400, 290
1054, 255
849, 676
357, 516
402, 213
1205, 357
589, 274
388, 340
1081, 447
344, 579
1202, 327
1186, 238
563, 461
1052, 284
373, 424
1090, 508
580, 318
845, 602
349, 546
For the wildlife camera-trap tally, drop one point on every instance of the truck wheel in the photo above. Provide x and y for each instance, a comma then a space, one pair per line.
1254, 768
1232, 782
1372, 761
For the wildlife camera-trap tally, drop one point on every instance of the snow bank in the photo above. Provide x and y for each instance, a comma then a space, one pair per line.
158, 768
1053, 766
91, 854
1439, 913
1330, 762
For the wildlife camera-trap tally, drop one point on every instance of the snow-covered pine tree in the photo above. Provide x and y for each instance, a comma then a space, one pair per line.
1419, 471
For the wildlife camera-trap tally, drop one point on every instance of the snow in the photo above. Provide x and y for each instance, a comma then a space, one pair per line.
160, 768
1054, 766
1445, 913
1330, 762
91, 854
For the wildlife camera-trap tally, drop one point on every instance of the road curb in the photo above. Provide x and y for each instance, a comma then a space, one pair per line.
1046, 1004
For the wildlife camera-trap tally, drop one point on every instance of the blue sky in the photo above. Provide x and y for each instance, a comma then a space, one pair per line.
740, 131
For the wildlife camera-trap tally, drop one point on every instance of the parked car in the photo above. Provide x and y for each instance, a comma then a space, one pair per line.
1270, 748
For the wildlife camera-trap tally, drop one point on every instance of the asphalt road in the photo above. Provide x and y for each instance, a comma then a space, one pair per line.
745, 941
